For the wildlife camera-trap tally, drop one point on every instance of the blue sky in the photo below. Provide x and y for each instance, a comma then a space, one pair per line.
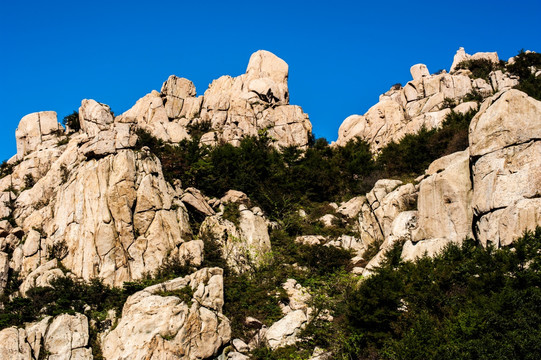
341, 54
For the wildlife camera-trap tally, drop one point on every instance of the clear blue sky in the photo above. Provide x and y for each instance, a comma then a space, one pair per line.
341, 54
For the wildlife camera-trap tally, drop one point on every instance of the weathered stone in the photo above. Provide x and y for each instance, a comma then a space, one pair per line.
352, 207
234, 196
460, 56
411, 251
285, 331
64, 337
4, 269
31, 243
287, 124
513, 111
506, 176
240, 345
13, 344
243, 245
191, 327
419, 71
35, 128
298, 296
67, 336
175, 90
310, 239
196, 200
414, 90
444, 200
94, 117
400, 199
116, 218
375, 127
402, 227
41, 277
328, 220
192, 252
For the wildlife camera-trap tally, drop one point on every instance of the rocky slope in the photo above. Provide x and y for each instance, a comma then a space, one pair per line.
93, 204
423, 102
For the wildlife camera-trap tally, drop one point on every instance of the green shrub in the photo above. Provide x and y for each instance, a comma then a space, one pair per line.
480, 68
196, 130
232, 213
467, 302
522, 67
72, 121
473, 95
414, 152
58, 250
6, 169
185, 294
29, 181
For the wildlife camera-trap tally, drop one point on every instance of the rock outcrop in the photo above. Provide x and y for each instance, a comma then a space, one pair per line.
35, 129
230, 109
505, 148
244, 242
461, 56
181, 318
102, 208
63, 337
383, 204
423, 102
490, 191
444, 200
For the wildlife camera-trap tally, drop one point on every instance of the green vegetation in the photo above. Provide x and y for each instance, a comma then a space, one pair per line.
72, 121
232, 213
480, 68
58, 250
7, 169
466, 303
522, 67
525, 66
412, 155
258, 293
185, 294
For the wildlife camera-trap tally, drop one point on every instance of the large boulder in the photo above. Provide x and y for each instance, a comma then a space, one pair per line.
181, 318
444, 200
419, 71
61, 338
34, 129
244, 242
376, 127
505, 148
383, 203
94, 117
286, 330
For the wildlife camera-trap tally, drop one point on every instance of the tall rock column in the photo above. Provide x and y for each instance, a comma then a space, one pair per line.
505, 146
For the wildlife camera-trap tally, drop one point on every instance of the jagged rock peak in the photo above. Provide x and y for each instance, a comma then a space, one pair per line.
230, 109
425, 101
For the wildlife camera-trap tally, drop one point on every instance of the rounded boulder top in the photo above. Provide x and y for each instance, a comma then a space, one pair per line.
265, 64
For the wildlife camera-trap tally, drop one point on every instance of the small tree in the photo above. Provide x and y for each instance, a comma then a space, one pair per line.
72, 121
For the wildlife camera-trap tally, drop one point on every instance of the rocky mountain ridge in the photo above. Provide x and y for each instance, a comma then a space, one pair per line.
92, 204
424, 101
